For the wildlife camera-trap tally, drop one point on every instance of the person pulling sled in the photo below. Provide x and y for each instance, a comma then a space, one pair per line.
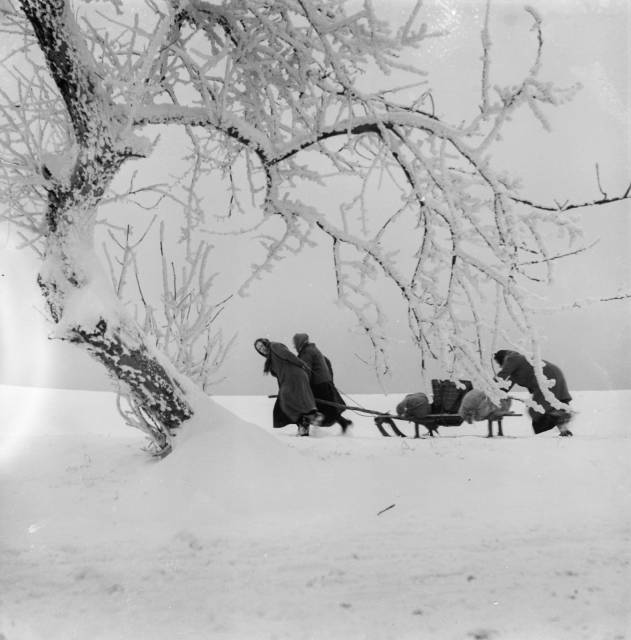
320, 373
295, 403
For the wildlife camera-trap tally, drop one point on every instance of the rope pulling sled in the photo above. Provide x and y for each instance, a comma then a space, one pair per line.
443, 412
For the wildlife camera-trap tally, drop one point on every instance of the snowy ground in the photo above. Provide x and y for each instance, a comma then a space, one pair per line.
246, 533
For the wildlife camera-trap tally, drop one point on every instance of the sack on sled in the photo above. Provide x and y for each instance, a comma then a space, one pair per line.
414, 406
476, 406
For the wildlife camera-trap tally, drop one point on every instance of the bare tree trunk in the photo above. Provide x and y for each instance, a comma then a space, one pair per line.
119, 345
69, 267
128, 361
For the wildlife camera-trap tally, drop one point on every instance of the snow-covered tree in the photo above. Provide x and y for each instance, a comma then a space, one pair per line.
272, 96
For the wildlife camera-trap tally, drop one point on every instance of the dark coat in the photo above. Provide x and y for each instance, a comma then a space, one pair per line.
320, 378
519, 371
328, 392
295, 398
319, 370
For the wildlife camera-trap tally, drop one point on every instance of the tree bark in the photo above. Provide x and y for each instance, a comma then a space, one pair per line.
129, 362
119, 345
102, 148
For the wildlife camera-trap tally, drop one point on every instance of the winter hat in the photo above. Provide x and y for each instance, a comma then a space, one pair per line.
300, 340
499, 356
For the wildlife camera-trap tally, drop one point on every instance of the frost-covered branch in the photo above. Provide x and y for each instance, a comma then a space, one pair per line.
272, 105
568, 206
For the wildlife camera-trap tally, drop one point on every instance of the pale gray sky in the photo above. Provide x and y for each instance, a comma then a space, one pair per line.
586, 42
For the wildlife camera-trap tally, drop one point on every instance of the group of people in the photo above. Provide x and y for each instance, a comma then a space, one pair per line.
308, 396
306, 392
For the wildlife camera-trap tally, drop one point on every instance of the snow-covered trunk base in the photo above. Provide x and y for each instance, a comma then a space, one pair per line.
158, 397
86, 312
80, 298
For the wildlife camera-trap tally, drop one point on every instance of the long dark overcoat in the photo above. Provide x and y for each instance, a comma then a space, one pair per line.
295, 398
319, 370
519, 371
321, 379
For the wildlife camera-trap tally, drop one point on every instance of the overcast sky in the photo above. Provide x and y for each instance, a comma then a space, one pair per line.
586, 42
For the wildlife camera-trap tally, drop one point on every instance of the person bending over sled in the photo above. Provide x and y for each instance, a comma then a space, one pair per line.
321, 381
516, 369
295, 403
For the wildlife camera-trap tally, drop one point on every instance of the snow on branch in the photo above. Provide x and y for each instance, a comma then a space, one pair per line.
561, 207
272, 103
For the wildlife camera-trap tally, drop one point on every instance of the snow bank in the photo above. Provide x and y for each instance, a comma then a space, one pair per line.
222, 468
249, 532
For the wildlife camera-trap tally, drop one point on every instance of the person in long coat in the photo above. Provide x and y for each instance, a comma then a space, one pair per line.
516, 369
321, 381
295, 403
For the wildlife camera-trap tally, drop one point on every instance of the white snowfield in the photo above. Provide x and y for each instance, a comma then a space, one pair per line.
248, 533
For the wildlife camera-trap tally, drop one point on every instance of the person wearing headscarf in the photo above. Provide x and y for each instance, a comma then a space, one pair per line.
295, 403
516, 369
321, 380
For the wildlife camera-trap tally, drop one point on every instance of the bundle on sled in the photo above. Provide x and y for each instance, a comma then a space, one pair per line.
416, 408
452, 404
477, 406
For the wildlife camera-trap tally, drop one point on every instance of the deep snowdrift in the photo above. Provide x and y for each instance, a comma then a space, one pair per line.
243, 532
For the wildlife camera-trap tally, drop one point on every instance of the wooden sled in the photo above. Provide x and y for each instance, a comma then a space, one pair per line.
433, 421
444, 412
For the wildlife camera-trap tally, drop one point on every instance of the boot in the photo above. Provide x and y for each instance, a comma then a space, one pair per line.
562, 424
344, 423
303, 426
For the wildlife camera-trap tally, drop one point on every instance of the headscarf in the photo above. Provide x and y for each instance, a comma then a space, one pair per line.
268, 355
500, 355
263, 341
300, 340
279, 351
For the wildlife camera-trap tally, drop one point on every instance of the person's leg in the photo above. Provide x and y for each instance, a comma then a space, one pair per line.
553, 418
541, 422
303, 425
345, 423
562, 419
307, 419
